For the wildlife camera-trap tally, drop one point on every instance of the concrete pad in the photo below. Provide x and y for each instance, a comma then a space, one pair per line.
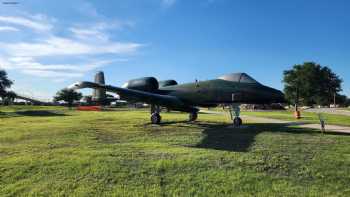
329, 128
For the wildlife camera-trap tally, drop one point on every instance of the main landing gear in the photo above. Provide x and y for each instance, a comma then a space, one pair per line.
156, 118
234, 113
155, 114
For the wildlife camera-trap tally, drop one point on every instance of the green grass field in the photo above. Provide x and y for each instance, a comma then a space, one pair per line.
53, 151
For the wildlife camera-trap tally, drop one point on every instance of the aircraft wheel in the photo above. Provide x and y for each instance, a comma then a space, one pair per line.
237, 122
193, 116
155, 118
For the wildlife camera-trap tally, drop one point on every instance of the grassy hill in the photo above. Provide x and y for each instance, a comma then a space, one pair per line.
54, 151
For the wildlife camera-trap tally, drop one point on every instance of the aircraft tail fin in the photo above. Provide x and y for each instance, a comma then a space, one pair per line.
99, 94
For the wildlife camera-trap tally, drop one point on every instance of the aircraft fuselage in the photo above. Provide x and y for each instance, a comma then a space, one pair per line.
218, 91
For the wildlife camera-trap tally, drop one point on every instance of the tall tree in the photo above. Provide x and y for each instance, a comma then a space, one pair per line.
5, 83
331, 86
310, 83
347, 102
68, 96
9, 97
342, 100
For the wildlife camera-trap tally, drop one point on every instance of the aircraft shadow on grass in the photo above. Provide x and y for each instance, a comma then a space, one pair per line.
240, 140
39, 113
224, 137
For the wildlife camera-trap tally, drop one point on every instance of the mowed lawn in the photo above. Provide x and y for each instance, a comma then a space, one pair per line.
53, 151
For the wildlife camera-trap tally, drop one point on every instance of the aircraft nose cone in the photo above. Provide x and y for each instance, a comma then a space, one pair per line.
279, 97
275, 95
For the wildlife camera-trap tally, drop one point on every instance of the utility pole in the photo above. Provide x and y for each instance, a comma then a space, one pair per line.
334, 100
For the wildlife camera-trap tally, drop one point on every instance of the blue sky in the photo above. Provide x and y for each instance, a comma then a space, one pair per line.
47, 45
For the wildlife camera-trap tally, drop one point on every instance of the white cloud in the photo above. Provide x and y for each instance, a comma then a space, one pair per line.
25, 90
168, 3
52, 74
57, 52
84, 43
4, 64
55, 46
8, 28
87, 34
99, 30
36, 22
29, 65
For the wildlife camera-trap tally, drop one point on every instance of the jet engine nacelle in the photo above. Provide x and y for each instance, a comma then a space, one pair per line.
166, 83
148, 84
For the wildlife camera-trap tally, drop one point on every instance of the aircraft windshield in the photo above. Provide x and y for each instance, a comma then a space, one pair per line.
238, 77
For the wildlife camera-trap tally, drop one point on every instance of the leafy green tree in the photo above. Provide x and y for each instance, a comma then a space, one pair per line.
330, 86
88, 99
310, 83
68, 96
347, 102
5, 83
9, 97
341, 100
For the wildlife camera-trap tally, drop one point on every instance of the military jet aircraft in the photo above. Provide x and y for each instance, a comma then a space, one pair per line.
231, 89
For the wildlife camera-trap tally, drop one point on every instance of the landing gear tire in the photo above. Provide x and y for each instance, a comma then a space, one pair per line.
155, 118
237, 122
193, 117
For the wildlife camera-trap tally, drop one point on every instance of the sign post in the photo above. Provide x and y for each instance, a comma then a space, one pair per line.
322, 123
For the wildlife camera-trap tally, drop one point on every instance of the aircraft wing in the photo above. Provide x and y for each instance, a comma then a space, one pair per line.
137, 95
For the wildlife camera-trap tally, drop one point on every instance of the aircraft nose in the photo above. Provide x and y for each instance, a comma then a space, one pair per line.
279, 97
276, 96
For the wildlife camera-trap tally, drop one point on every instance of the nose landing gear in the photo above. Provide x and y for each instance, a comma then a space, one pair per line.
237, 122
193, 116
234, 114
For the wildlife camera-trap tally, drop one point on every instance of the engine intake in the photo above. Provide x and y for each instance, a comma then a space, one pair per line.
148, 84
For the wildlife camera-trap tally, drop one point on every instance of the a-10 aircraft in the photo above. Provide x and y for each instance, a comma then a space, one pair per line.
231, 89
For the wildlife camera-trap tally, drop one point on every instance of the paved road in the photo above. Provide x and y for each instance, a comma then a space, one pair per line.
329, 111
332, 128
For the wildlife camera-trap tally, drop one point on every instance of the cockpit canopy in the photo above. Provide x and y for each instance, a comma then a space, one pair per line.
239, 77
